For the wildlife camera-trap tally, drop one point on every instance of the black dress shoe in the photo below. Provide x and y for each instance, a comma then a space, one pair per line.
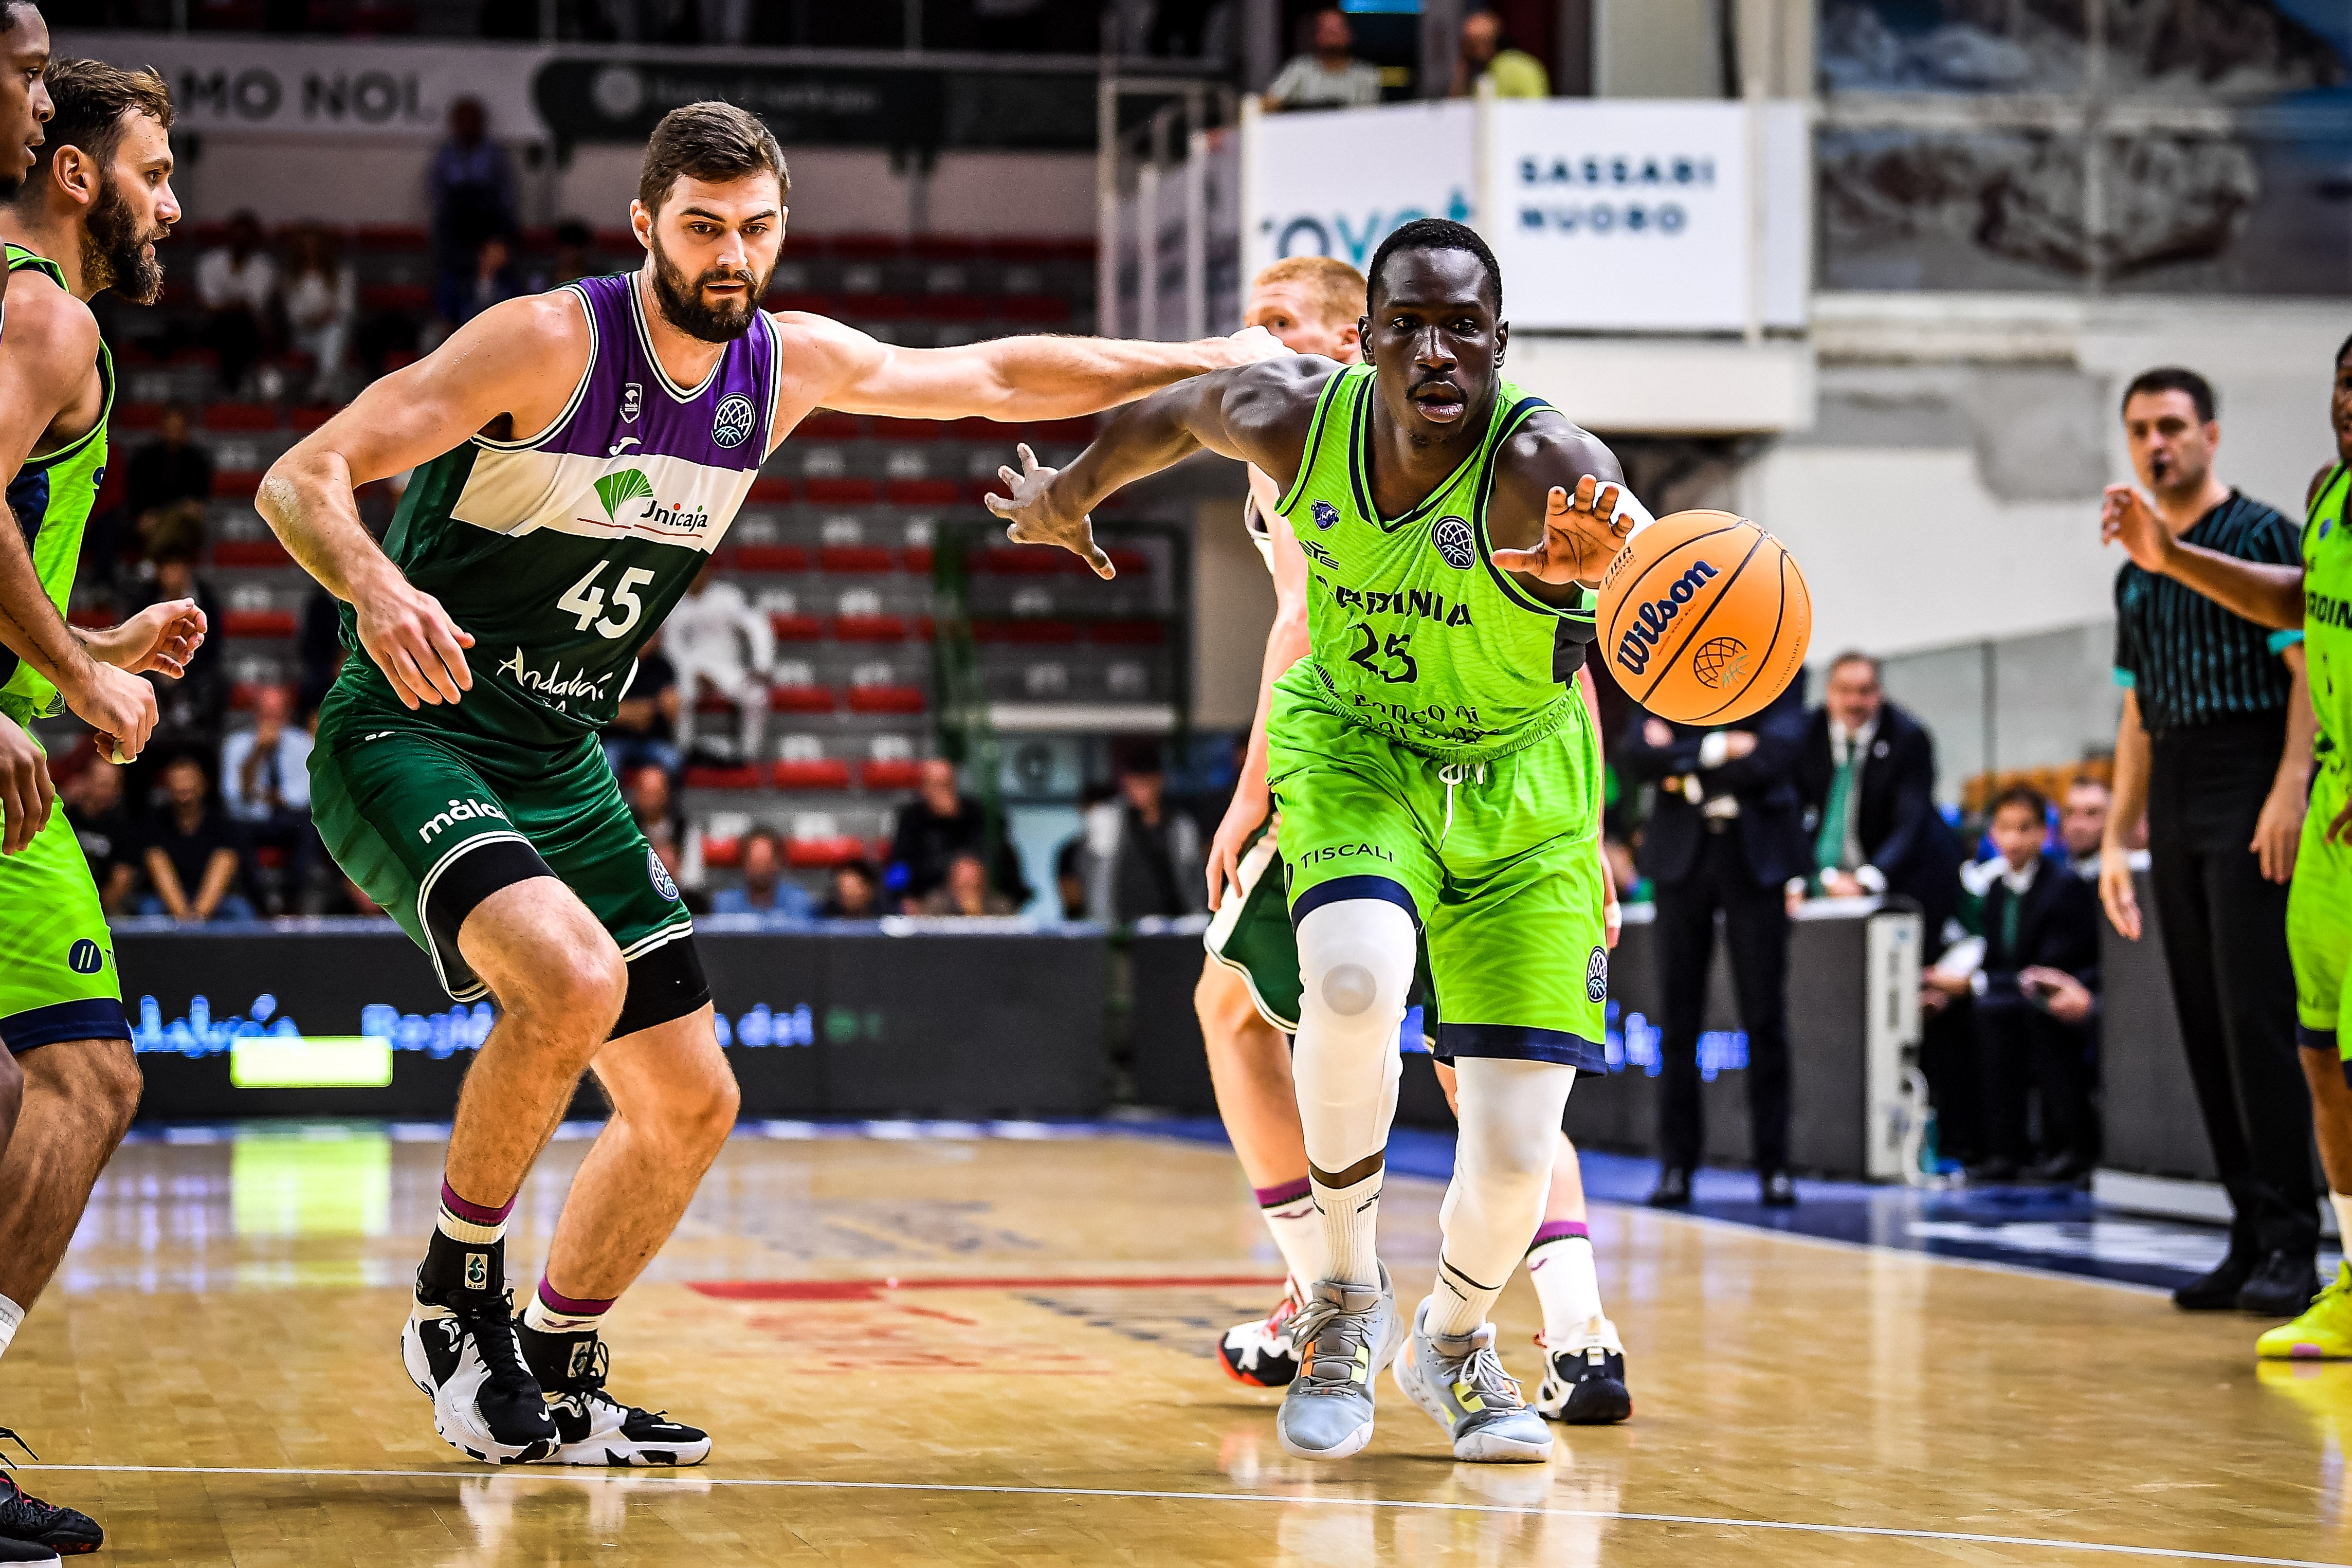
2218, 1291
2282, 1285
1672, 1191
1992, 1173
2060, 1170
1778, 1191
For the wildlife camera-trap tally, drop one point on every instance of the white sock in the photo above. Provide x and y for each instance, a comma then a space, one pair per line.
2340, 1202
11, 1315
1350, 1219
1298, 1232
1510, 1115
1562, 1269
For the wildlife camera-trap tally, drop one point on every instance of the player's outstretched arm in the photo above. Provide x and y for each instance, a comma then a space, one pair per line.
512, 367
2266, 594
1561, 509
1258, 413
1008, 379
45, 358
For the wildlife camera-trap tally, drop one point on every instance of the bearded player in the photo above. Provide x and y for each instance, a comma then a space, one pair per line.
1247, 1000
98, 198
1435, 772
579, 456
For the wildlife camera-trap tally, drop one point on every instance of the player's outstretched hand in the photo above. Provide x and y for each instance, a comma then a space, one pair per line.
162, 637
1256, 343
413, 640
2127, 518
120, 707
1581, 534
1033, 518
26, 795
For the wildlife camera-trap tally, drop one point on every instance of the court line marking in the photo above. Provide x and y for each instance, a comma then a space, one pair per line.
688, 1476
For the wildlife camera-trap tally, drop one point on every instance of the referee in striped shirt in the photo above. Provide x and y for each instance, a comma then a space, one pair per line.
2215, 748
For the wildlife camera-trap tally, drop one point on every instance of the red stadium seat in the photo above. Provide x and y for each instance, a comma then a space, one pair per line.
797, 629
1033, 309
918, 559
311, 416
875, 306
814, 304
137, 415
771, 558
901, 772
824, 425
887, 699
808, 853
722, 778
869, 628
824, 772
955, 308
397, 237
1128, 634
769, 490
240, 417
945, 246
720, 853
256, 623
1025, 631
907, 429
855, 558
923, 492
800, 700
865, 246
395, 297
235, 484
246, 695
251, 553
843, 492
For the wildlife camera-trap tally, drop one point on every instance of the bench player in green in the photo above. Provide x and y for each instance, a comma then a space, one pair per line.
1247, 1000
2314, 600
579, 456
1436, 769
86, 219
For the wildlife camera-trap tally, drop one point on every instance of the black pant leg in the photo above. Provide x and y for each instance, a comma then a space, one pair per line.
1755, 925
1684, 930
2061, 1075
2003, 1070
1947, 1055
2255, 986
2176, 873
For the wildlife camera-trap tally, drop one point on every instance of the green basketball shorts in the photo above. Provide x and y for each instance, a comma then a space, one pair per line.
1495, 862
2319, 919
429, 820
58, 980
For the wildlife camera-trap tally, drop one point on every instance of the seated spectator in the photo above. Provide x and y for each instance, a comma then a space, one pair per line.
1867, 777
1486, 55
493, 280
1329, 77
266, 787
765, 891
2083, 822
1141, 857
1070, 859
644, 730
936, 827
472, 185
190, 707
653, 803
965, 893
717, 639
322, 298
857, 893
195, 858
92, 799
2034, 989
319, 646
673, 861
170, 470
237, 285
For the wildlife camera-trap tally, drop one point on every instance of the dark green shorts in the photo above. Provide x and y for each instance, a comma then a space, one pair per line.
402, 801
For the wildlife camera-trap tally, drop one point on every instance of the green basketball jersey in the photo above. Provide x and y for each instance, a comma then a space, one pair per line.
51, 497
1413, 633
2328, 616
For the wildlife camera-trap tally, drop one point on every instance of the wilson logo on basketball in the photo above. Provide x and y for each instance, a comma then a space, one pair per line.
1721, 663
1633, 647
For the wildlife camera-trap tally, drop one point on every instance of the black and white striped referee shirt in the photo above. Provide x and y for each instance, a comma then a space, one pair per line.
2192, 661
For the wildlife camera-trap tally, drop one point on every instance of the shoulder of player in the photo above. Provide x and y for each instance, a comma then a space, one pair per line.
1549, 449
2318, 483
1275, 395
47, 323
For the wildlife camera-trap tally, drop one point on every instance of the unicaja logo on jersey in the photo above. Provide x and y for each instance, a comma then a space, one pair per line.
1454, 540
616, 490
731, 427
633, 403
458, 811
1633, 647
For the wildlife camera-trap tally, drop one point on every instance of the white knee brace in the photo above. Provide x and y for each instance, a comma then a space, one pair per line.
1355, 967
1510, 1116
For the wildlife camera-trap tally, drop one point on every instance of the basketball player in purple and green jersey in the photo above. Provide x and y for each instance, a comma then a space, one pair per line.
2314, 601
579, 456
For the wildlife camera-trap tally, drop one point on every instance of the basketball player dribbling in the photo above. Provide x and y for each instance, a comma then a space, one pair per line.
1247, 999
578, 457
1435, 772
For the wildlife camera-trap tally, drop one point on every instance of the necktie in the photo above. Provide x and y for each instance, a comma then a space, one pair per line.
1828, 848
2012, 910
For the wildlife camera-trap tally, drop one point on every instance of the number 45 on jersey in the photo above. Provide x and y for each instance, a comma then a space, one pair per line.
586, 600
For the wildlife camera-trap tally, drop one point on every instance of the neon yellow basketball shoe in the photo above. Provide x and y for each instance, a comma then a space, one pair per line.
2324, 1333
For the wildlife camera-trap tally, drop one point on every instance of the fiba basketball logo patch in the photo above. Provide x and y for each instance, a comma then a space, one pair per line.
1455, 542
660, 875
731, 427
1721, 663
84, 957
1596, 976
1327, 516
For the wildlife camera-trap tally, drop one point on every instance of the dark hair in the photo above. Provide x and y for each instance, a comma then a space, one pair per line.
572, 231
2342, 349
776, 841
92, 98
1137, 755
1435, 234
708, 140
2026, 796
1855, 656
860, 868
2173, 378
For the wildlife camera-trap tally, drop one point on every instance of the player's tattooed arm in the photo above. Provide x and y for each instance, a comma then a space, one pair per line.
1259, 414
508, 372
1560, 510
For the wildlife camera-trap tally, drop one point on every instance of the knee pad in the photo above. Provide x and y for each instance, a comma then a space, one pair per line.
1355, 966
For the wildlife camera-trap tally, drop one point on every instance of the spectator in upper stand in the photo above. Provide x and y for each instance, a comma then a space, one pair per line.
171, 468
936, 827
653, 803
673, 861
194, 855
266, 787
191, 707
1142, 858
765, 891
644, 730
493, 280
318, 645
1329, 77
857, 893
2082, 824
716, 638
1867, 778
108, 838
575, 254
966, 893
321, 299
237, 286
1487, 52
473, 192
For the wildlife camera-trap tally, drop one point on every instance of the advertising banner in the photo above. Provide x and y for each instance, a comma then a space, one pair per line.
1335, 183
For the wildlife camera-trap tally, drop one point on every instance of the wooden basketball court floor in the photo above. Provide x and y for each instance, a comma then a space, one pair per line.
995, 1350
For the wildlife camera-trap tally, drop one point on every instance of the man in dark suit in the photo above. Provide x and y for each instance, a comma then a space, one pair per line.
2034, 998
1726, 834
1867, 775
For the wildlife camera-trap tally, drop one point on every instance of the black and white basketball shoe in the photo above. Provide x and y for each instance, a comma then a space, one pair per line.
595, 1428
459, 1347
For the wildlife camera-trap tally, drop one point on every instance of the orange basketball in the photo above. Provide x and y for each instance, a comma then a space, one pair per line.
1703, 617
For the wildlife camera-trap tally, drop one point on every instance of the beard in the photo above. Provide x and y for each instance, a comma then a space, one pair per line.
682, 304
114, 249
